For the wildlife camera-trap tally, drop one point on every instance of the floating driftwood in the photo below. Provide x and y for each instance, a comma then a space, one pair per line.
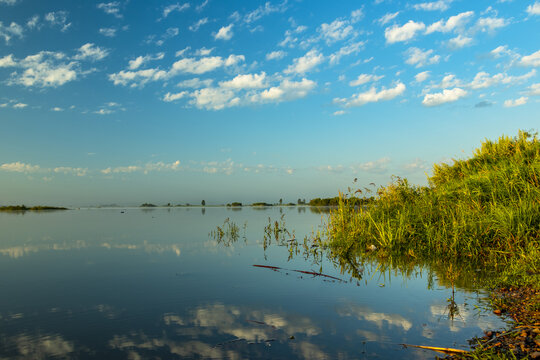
448, 351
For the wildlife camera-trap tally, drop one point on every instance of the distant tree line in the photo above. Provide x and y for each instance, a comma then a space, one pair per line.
334, 201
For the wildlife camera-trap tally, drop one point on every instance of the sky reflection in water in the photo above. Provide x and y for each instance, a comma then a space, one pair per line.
98, 283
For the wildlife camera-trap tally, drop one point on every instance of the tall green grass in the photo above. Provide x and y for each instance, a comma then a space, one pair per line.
482, 209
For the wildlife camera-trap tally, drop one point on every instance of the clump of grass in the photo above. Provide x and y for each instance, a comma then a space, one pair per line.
482, 209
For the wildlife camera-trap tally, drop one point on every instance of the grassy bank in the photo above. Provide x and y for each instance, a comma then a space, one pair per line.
484, 210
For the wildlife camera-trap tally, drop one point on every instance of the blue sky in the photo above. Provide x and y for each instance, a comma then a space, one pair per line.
164, 101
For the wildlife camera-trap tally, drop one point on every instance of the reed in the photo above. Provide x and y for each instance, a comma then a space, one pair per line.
482, 209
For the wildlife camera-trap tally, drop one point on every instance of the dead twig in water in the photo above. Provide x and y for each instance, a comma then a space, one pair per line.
448, 351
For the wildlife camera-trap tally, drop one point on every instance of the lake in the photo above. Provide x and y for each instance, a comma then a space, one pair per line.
158, 284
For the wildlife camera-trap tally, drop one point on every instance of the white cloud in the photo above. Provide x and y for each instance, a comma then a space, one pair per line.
57, 109
356, 15
459, 42
305, 63
422, 76
337, 113
534, 89
440, 5
419, 58
490, 24
247, 81
33, 22
169, 97
276, 55
336, 31
264, 10
446, 96
364, 79
67, 170
287, 90
377, 166
20, 167
108, 32
517, 102
453, 23
198, 24
203, 65
534, 9
111, 8
483, 80
202, 5
8, 32
91, 52
195, 83
7, 61
214, 98
406, 32
531, 60
8, 2
174, 7
372, 95
138, 78
224, 33
58, 18
20, 105
44, 69
141, 60
353, 48
387, 18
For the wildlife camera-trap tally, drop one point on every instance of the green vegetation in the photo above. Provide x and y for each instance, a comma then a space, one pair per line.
148, 205
261, 204
33, 208
352, 201
235, 204
478, 213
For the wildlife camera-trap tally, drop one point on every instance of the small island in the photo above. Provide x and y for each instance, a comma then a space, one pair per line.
15, 208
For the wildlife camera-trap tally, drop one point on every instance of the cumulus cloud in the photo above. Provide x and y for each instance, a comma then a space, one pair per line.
264, 10
108, 32
8, 2
372, 95
405, 32
484, 80
534, 89
157, 166
531, 60
336, 31
8, 32
453, 23
247, 81
224, 33
440, 5
198, 24
305, 63
490, 24
67, 170
169, 97
141, 60
58, 18
91, 52
195, 83
353, 48
377, 166
20, 167
422, 76
364, 79
276, 55
45, 69
385, 19
534, 9
111, 8
174, 7
286, 90
517, 102
446, 96
419, 58
459, 42
214, 98
186, 65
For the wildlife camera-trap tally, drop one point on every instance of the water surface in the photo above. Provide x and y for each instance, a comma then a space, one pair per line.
152, 283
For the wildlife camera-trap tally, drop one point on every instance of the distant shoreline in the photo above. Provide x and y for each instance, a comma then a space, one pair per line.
19, 208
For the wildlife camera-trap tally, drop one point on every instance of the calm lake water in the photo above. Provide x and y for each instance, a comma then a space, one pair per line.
152, 284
